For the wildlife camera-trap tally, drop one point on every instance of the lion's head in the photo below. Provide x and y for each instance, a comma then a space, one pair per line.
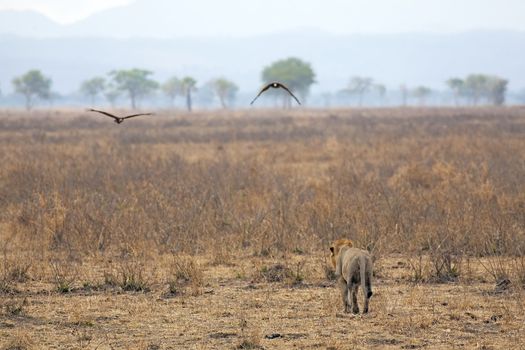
336, 246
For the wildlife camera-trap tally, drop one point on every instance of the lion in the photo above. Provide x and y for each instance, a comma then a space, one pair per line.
352, 266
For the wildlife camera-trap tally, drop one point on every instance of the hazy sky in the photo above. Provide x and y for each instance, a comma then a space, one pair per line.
336, 16
63, 11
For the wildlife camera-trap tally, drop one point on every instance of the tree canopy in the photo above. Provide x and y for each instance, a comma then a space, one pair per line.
172, 88
478, 87
296, 74
421, 93
457, 87
225, 90
93, 87
188, 86
135, 82
360, 86
32, 84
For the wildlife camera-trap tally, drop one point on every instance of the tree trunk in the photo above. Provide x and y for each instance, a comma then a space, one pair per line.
132, 97
188, 100
456, 99
28, 102
222, 100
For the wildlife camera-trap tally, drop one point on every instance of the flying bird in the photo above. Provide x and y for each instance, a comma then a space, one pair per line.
275, 85
118, 120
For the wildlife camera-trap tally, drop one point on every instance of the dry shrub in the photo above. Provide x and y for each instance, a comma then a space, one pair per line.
518, 268
65, 274
132, 276
436, 185
329, 272
14, 306
186, 275
16, 270
6, 282
222, 255
275, 273
293, 274
128, 271
19, 340
250, 336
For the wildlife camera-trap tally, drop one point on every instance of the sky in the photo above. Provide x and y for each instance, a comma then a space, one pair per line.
332, 16
62, 11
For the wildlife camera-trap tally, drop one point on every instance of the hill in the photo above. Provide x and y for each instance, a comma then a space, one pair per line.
412, 59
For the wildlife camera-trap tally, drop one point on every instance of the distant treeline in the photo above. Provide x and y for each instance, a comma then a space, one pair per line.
136, 85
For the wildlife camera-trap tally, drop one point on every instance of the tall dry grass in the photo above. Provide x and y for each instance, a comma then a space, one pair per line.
439, 186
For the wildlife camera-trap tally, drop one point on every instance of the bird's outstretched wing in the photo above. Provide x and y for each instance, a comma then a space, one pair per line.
284, 87
105, 113
278, 85
266, 87
136, 115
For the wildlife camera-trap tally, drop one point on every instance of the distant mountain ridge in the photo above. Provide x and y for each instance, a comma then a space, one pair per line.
28, 24
412, 59
72, 53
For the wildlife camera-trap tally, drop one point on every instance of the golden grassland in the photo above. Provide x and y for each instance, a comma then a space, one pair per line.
211, 230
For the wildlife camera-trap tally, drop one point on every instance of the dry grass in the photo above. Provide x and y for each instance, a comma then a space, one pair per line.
210, 230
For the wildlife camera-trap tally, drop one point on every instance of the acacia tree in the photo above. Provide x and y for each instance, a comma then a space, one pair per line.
93, 87
488, 87
296, 74
135, 82
360, 86
188, 86
521, 96
475, 86
327, 98
403, 89
457, 86
381, 92
172, 88
421, 93
111, 94
496, 89
32, 84
225, 90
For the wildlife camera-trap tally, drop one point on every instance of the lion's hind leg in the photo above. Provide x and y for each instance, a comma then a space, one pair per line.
343, 287
355, 307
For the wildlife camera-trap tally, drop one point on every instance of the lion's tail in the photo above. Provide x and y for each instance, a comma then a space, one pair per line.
365, 277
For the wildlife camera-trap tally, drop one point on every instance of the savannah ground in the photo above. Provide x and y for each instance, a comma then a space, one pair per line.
211, 229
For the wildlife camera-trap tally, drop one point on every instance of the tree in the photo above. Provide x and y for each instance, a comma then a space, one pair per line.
489, 87
172, 88
327, 99
359, 86
475, 87
403, 89
496, 89
93, 87
225, 90
188, 86
421, 93
296, 74
521, 96
111, 94
32, 84
381, 91
457, 86
134, 82
52, 97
